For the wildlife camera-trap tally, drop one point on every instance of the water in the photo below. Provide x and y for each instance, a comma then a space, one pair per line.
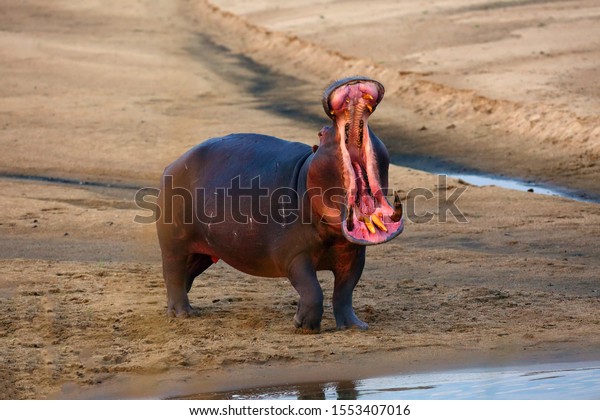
479, 179
519, 185
514, 184
549, 381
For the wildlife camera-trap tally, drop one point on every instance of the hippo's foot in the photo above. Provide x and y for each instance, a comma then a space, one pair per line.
308, 320
184, 310
348, 320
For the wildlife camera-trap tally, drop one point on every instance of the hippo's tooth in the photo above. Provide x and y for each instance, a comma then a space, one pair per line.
367, 97
370, 108
347, 131
377, 222
367, 221
361, 125
397, 215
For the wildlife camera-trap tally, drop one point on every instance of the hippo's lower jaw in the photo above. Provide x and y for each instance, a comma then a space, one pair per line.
371, 225
369, 218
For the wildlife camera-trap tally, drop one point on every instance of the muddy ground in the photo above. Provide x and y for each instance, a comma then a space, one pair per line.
108, 93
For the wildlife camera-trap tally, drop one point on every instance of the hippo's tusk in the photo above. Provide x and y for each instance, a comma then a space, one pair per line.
397, 209
377, 222
367, 221
350, 219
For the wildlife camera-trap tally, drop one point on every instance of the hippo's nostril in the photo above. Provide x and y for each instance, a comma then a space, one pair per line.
342, 93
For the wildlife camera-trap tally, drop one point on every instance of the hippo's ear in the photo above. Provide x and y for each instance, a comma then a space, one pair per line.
314, 148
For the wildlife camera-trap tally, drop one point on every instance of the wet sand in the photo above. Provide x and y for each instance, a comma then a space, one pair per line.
110, 93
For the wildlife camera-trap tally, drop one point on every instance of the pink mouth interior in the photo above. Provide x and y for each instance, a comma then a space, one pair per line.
370, 219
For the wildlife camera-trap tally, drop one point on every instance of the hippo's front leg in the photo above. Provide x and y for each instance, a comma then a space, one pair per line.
303, 276
346, 278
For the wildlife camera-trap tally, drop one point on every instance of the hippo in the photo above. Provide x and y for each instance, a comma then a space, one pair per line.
274, 208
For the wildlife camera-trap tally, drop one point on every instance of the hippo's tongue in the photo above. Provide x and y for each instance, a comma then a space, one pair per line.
370, 219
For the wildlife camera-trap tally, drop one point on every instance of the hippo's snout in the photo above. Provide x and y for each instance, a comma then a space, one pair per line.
370, 218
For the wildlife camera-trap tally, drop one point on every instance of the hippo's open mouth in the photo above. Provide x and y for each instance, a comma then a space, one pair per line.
369, 218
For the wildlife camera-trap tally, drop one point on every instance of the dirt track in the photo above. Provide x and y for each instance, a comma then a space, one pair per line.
111, 93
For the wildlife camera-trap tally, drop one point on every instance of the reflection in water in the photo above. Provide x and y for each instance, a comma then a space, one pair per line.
343, 390
346, 390
557, 381
311, 392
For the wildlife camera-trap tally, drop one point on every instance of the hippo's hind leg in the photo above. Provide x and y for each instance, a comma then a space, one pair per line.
310, 305
346, 279
179, 273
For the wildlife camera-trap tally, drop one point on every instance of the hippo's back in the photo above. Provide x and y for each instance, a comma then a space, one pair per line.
219, 161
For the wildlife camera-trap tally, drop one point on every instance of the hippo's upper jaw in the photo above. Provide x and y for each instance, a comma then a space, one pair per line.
369, 218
